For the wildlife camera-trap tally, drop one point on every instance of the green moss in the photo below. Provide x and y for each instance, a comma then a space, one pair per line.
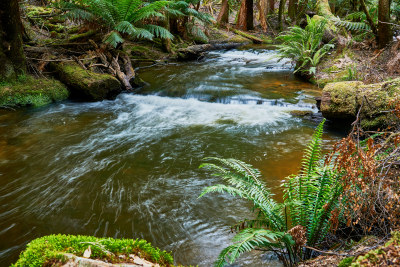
29, 91
87, 84
346, 262
50, 249
331, 69
343, 99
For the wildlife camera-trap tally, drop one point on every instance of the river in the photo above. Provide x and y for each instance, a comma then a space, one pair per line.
128, 168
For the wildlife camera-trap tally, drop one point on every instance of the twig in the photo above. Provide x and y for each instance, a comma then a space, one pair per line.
57, 60
329, 252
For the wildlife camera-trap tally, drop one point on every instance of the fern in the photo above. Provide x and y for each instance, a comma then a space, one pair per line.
309, 199
304, 46
352, 26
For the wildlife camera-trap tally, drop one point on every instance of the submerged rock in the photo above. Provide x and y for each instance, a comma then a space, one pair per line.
86, 84
342, 101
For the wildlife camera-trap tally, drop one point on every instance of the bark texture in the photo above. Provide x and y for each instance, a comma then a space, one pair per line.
11, 51
245, 19
271, 6
385, 34
280, 13
292, 9
263, 9
223, 16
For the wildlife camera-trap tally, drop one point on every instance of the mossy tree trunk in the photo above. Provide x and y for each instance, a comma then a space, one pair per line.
323, 9
385, 34
245, 19
11, 51
223, 16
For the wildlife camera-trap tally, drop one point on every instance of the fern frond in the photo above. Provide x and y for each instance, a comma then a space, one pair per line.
113, 38
159, 31
247, 240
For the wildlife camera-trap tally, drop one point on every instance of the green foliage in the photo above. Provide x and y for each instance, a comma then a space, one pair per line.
135, 18
122, 17
346, 262
304, 46
48, 249
351, 25
309, 201
28, 91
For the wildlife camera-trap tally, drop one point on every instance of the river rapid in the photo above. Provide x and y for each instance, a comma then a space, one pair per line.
128, 168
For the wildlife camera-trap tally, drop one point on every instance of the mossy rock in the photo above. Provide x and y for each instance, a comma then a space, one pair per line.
29, 91
53, 249
301, 113
342, 100
85, 84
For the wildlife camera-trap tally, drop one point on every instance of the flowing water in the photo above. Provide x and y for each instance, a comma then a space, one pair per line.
128, 168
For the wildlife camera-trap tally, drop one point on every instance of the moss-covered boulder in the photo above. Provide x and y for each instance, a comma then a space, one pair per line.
29, 91
342, 101
54, 250
86, 84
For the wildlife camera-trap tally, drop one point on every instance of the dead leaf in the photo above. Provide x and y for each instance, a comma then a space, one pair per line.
87, 253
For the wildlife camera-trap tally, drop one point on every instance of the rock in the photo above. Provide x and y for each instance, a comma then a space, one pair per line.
85, 84
342, 100
195, 52
301, 113
32, 92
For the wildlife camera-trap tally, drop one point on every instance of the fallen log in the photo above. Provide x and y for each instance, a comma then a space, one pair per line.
341, 101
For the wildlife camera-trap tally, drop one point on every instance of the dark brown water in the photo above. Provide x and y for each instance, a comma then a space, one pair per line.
129, 168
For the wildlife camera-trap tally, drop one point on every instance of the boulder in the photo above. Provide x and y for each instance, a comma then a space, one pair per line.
85, 84
341, 101
32, 92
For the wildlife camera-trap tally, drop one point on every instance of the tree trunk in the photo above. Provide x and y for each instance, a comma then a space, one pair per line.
11, 51
323, 9
292, 10
223, 16
385, 34
262, 8
280, 15
245, 19
271, 6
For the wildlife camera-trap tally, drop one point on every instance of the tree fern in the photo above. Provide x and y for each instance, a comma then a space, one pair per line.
122, 17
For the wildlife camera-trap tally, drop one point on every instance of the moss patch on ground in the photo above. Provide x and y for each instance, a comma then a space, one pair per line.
29, 91
49, 250
340, 66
